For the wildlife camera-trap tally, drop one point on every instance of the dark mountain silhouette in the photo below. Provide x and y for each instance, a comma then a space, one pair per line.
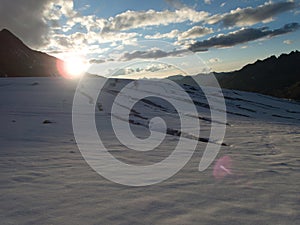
279, 77
18, 60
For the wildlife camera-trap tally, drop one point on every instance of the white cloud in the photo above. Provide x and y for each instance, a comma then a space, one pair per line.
195, 32
99, 31
25, 19
207, 2
185, 43
86, 42
90, 22
147, 70
56, 9
137, 19
34, 21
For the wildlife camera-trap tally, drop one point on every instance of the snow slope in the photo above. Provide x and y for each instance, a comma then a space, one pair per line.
45, 180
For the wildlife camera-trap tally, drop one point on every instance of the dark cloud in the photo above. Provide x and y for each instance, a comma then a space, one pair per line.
25, 19
290, 27
241, 36
250, 16
52, 52
96, 61
34, 20
151, 54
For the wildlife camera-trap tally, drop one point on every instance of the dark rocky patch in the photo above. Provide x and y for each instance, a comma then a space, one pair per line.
47, 122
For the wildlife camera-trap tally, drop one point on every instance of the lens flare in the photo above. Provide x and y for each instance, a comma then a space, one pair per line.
222, 167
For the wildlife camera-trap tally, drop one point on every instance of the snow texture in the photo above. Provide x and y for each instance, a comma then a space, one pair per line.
45, 180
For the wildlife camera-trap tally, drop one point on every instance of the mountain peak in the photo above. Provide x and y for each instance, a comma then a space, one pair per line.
6, 32
17, 59
8, 38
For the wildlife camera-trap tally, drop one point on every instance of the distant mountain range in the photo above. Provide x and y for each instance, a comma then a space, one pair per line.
18, 60
279, 77
274, 76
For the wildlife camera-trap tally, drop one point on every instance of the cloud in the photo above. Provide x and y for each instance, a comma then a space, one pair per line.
25, 19
97, 61
241, 36
89, 22
288, 42
195, 32
87, 43
62, 42
57, 8
111, 30
155, 67
249, 16
137, 70
151, 54
207, 2
137, 19
51, 24
31, 20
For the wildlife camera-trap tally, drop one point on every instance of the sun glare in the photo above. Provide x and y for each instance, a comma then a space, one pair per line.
75, 66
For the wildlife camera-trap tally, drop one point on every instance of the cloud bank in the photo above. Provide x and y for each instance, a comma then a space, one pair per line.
13, 15
33, 20
137, 19
151, 54
192, 33
250, 16
241, 36
55, 26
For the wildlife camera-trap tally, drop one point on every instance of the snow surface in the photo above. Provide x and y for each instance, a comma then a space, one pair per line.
45, 180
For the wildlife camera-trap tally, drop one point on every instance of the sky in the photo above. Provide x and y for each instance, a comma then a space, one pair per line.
115, 35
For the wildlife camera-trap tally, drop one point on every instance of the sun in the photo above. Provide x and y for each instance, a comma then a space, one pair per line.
75, 66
